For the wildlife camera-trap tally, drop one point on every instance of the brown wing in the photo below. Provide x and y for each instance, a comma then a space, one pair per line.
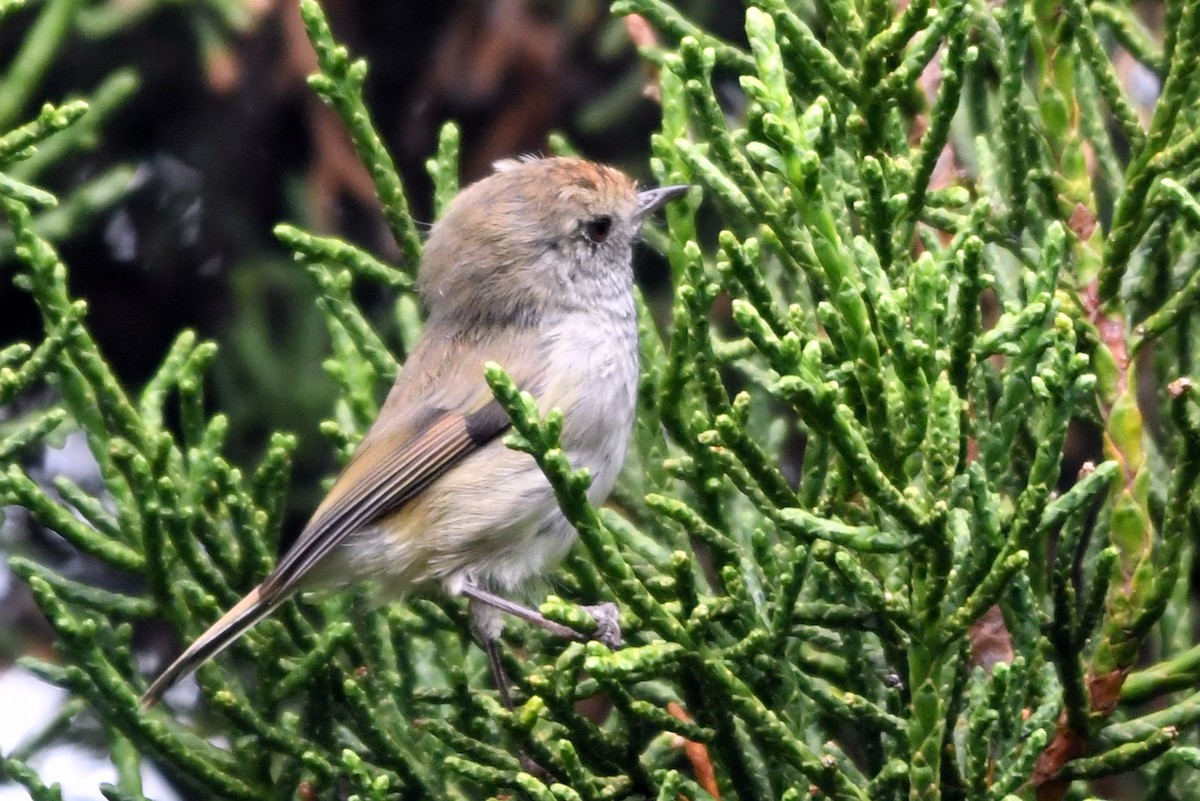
438, 413
388, 470
394, 463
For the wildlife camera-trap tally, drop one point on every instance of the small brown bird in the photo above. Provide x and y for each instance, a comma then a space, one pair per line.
529, 268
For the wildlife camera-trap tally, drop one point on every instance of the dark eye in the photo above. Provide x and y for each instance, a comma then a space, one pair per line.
597, 228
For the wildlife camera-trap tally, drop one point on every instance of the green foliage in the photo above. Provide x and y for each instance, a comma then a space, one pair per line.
930, 331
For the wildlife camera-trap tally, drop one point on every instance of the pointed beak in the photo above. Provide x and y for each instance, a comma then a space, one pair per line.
654, 199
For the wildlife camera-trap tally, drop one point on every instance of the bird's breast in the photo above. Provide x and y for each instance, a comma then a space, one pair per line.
592, 376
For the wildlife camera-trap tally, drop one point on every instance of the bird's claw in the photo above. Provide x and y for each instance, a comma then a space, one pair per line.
608, 624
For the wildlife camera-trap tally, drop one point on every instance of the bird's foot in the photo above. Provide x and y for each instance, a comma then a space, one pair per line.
608, 624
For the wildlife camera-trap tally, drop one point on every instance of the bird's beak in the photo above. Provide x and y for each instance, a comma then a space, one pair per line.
655, 199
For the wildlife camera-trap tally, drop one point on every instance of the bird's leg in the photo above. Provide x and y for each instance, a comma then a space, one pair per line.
486, 626
482, 596
492, 648
608, 626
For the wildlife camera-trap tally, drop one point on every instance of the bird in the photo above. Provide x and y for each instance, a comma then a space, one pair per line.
530, 268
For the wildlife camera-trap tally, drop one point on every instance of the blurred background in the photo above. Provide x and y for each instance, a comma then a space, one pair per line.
206, 136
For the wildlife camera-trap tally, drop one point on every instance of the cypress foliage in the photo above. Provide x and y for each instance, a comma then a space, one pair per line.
947, 235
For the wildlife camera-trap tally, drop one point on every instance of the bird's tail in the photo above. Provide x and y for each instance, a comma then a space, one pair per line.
219, 636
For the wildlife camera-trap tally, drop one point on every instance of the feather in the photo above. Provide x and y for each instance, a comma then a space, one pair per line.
385, 473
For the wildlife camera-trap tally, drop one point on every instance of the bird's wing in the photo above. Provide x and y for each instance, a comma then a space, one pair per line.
411, 444
439, 412
387, 471
394, 463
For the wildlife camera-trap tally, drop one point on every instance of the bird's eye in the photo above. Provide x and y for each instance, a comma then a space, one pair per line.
597, 228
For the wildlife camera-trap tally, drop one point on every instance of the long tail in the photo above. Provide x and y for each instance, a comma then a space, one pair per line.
220, 635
